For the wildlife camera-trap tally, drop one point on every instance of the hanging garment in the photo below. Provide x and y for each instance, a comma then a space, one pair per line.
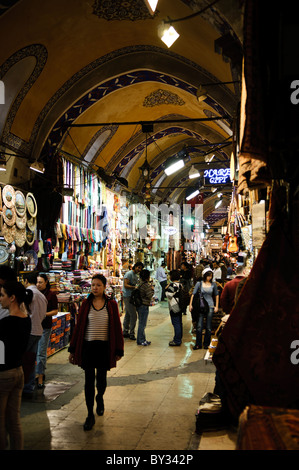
253, 356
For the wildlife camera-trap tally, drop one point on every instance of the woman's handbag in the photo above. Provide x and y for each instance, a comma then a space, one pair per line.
199, 303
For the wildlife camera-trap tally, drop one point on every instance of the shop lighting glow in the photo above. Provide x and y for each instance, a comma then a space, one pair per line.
175, 166
192, 195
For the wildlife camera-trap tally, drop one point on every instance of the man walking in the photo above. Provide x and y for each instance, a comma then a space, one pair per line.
129, 283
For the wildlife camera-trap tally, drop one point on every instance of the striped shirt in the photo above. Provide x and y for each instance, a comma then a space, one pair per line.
97, 324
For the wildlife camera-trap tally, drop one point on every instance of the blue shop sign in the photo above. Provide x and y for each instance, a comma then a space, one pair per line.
217, 176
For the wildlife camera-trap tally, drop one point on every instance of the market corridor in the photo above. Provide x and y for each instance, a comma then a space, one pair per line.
150, 402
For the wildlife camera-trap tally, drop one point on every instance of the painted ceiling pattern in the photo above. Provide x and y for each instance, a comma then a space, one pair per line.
167, 81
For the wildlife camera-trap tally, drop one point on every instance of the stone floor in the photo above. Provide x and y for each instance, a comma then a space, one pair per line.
150, 402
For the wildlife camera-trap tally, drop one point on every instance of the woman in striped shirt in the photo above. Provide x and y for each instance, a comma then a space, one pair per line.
97, 344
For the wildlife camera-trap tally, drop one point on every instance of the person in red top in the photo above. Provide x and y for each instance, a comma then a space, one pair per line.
97, 344
227, 298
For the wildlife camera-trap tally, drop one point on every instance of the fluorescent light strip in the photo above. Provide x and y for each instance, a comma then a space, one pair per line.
192, 195
174, 167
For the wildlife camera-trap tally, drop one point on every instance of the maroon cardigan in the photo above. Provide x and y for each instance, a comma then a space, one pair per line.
116, 340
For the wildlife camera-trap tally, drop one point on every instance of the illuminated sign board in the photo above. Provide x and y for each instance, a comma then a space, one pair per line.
219, 176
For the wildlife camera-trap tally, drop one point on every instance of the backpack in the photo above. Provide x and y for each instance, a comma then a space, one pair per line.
135, 298
199, 303
183, 298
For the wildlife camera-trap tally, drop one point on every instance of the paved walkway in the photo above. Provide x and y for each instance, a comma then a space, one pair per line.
150, 402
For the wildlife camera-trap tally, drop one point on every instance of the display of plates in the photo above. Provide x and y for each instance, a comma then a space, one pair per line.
9, 195
3, 252
31, 204
9, 215
20, 204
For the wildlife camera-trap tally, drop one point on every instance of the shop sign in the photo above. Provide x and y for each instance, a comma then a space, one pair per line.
217, 176
170, 230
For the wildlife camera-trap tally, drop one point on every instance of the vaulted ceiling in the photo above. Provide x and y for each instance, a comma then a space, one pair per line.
83, 76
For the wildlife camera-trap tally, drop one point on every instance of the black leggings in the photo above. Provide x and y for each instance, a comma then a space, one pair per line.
101, 383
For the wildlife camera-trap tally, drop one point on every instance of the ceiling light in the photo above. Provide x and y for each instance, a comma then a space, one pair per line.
167, 34
193, 173
193, 192
174, 166
151, 5
219, 202
208, 158
38, 167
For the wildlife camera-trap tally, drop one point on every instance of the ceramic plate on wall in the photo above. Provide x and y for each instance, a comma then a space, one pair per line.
9, 215
9, 196
3, 252
31, 204
20, 203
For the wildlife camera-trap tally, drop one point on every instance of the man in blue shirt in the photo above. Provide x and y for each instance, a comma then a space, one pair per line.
161, 276
130, 281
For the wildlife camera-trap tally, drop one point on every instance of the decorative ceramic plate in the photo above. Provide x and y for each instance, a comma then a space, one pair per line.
9, 215
21, 222
9, 233
20, 237
3, 252
31, 222
9, 195
20, 204
29, 237
31, 204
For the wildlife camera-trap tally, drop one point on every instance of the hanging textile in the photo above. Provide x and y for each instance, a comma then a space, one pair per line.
253, 356
253, 157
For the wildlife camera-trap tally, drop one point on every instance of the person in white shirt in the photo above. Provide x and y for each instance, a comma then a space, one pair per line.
217, 272
161, 277
38, 310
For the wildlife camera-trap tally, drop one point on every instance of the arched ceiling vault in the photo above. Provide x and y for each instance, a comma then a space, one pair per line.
81, 76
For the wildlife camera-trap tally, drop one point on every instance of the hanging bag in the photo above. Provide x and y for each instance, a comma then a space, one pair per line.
199, 303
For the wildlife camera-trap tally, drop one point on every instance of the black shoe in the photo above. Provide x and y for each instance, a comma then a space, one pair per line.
89, 422
197, 346
126, 335
100, 407
173, 343
133, 337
